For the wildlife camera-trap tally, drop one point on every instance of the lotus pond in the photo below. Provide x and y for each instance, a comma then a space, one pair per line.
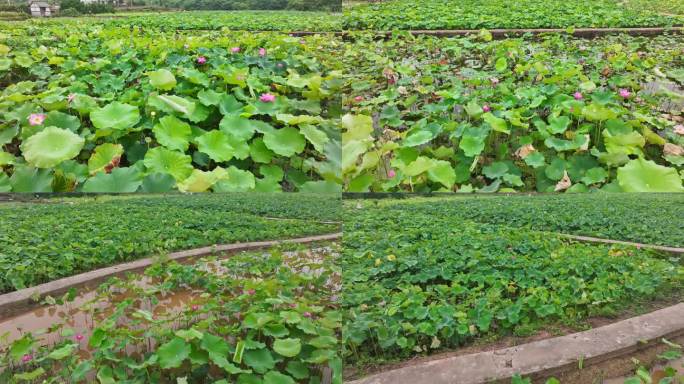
54, 238
255, 317
417, 283
549, 113
105, 109
284, 21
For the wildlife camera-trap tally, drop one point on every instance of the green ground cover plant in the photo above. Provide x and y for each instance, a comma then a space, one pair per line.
104, 109
254, 324
669, 7
418, 283
635, 217
474, 14
550, 113
45, 241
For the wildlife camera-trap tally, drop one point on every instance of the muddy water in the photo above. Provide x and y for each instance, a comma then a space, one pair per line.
84, 313
657, 372
90, 307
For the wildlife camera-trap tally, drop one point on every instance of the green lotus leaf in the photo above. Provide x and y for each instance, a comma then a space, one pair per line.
6, 158
274, 377
162, 160
173, 353
238, 127
51, 146
83, 103
513, 180
535, 160
558, 125
443, 173
495, 170
209, 97
171, 104
420, 165
120, 180
195, 76
103, 155
158, 183
287, 347
162, 79
641, 175
229, 105
237, 181
285, 141
173, 133
29, 179
5, 184
473, 141
202, 181
29, 376
115, 116
357, 128
259, 152
260, 360
497, 124
315, 136
217, 145
598, 112
62, 120
320, 186
417, 137
567, 145
594, 176
627, 143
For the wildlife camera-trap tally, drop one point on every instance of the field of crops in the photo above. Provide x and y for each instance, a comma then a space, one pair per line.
475, 14
639, 218
51, 240
550, 113
416, 282
245, 319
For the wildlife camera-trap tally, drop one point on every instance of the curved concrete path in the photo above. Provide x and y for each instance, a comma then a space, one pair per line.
545, 358
20, 301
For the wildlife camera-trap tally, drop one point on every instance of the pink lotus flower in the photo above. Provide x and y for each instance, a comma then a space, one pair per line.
578, 96
307, 314
638, 246
267, 98
262, 51
195, 307
293, 305
201, 60
494, 81
251, 292
235, 49
486, 108
391, 173
26, 358
78, 337
37, 118
71, 97
358, 99
625, 94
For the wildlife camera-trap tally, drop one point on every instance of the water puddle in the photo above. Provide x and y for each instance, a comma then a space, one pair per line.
92, 305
